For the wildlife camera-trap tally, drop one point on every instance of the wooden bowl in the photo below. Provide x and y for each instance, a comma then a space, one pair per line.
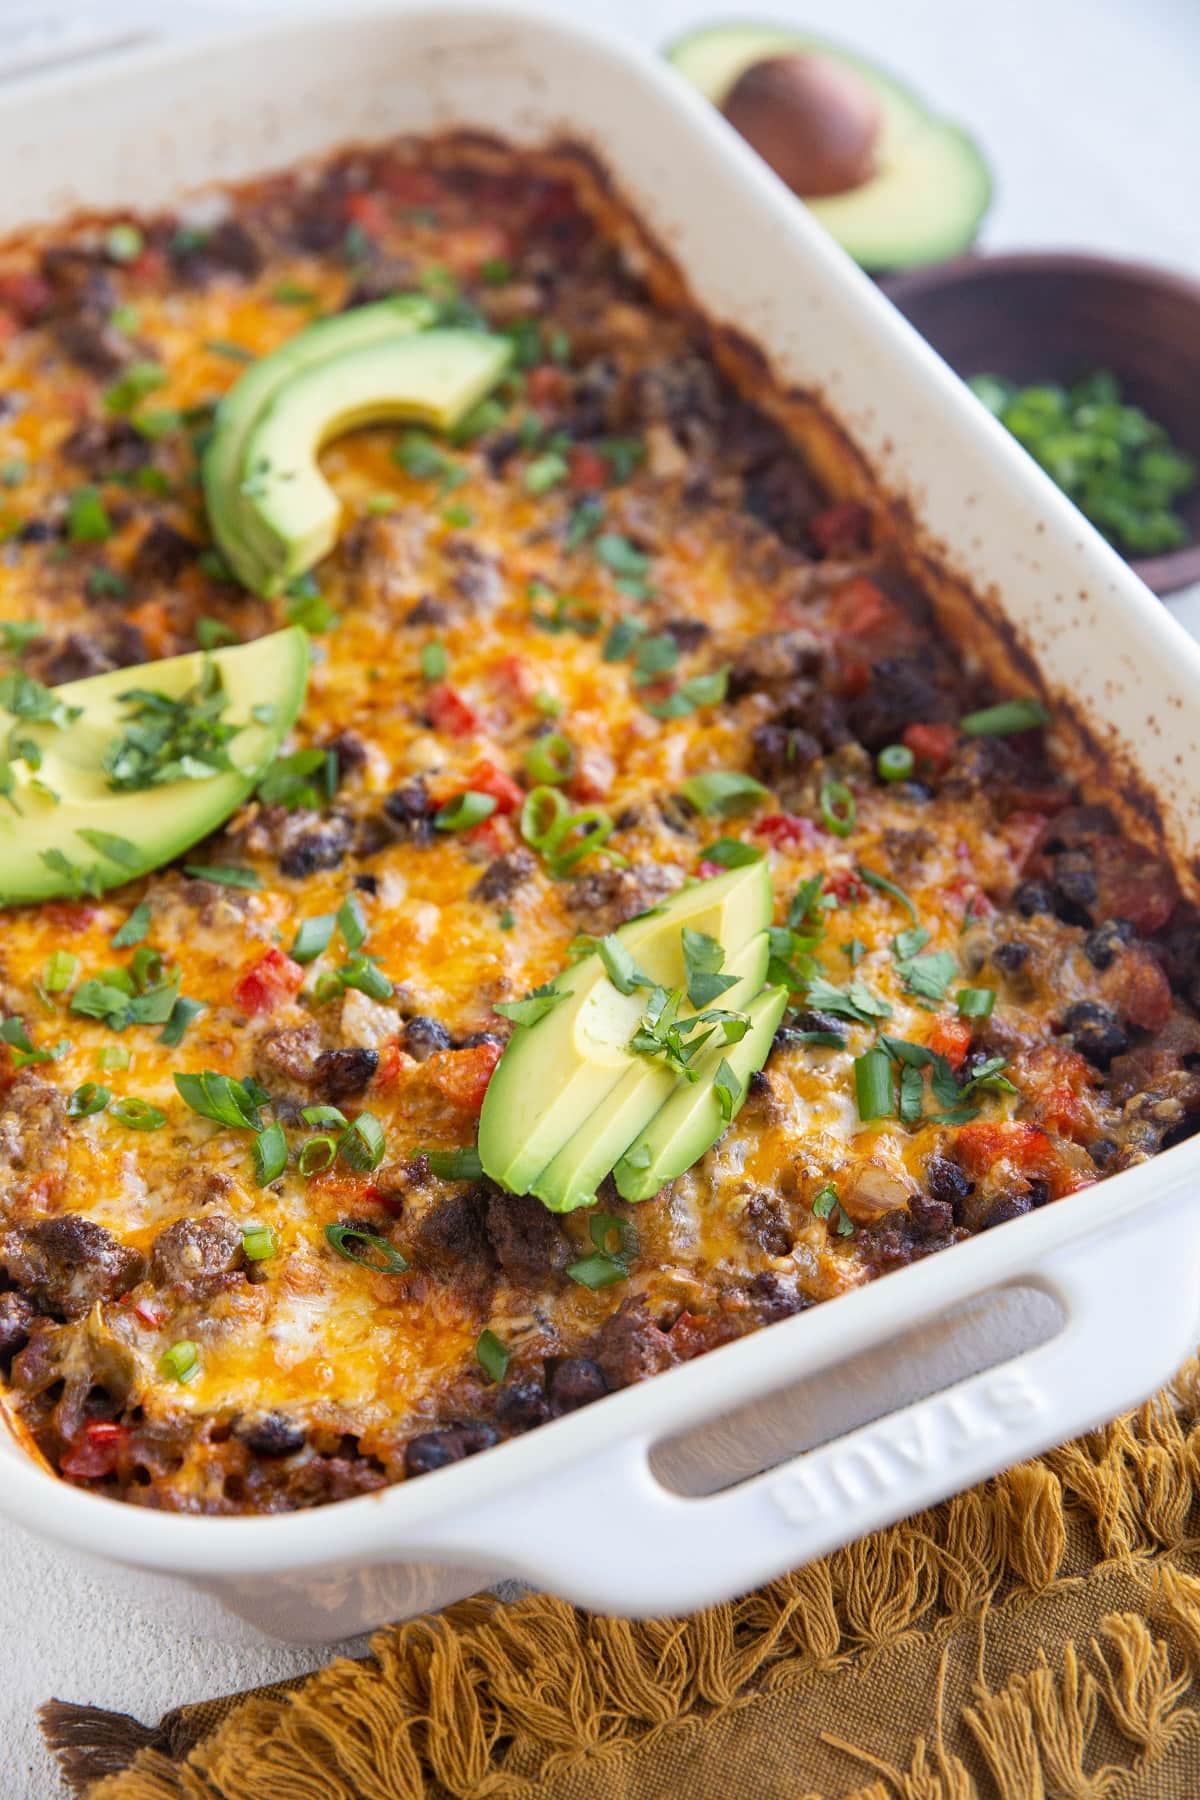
1054, 317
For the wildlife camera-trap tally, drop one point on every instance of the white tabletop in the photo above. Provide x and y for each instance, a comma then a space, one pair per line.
1088, 117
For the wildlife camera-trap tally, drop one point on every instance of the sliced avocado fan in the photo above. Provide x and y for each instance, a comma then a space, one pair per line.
570, 1095
931, 186
271, 512
89, 803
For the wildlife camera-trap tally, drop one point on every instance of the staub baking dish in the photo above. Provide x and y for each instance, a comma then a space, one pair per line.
781, 1446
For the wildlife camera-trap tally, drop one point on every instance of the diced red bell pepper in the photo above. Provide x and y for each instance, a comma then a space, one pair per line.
95, 1451
148, 266
268, 982
933, 746
589, 471
951, 1038
462, 1076
488, 836
389, 1065
594, 774
449, 712
788, 831
841, 529
488, 778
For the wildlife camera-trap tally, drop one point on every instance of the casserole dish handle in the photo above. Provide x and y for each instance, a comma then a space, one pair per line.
608, 1535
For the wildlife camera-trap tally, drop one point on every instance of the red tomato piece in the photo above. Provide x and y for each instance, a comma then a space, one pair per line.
932, 745
95, 1451
546, 384
488, 778
861, 609
389, 1064
593, 777
982, 1144
267, 982
26, 296
148, 266
951, 1038
69, 917
513, 673
1022, 833
1142, 990
449, 712
410, 187
788, 831
840, 529
462, 1076
845, 886
589, 471
1133, 884
368, 212
488, 837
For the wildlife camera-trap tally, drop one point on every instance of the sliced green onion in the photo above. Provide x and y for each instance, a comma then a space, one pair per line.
895, 762
270, 1154
824, 1201
724, 791
455, 1165
542, 813
88, 1099
434, 661
259, 1242
873, 1085
113, 1056
363, 1143
352, 922
388, 1260
123, 242
61, 969
314, 936
319, 1154
839, 808
594, 828
551, 758
491, 1355
323, 1115
137, 1115
598, 1271
181, 1362
546, 472
1003, 720
975, 1003
464, 811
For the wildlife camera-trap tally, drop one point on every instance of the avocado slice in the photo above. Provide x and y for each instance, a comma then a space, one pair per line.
434, 377
585, 1159
931, 188
691, 1121
555, 1073
142, 828
239, 409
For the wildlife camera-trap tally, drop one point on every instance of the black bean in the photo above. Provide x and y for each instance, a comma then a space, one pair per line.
576, 1381
475, 1038
324, 847
946, 1181
1098, 1032
521, 1405
272, 1435
434, 1449
367, 884
342, 1072
424, 1037
1102, 946
1011, 957
1102, 1150
1074, 887
1033, 897
1004, 1208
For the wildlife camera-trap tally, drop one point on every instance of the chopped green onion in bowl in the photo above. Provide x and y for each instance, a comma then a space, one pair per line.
1118, 466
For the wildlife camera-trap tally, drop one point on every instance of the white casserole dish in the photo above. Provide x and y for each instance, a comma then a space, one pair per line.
1110, 1306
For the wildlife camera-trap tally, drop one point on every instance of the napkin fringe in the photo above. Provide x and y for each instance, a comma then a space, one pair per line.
488, 1700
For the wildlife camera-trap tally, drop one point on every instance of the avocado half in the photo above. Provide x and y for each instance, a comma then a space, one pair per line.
931, 188
117, 836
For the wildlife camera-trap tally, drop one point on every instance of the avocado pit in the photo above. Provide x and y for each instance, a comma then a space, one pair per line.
812, 119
